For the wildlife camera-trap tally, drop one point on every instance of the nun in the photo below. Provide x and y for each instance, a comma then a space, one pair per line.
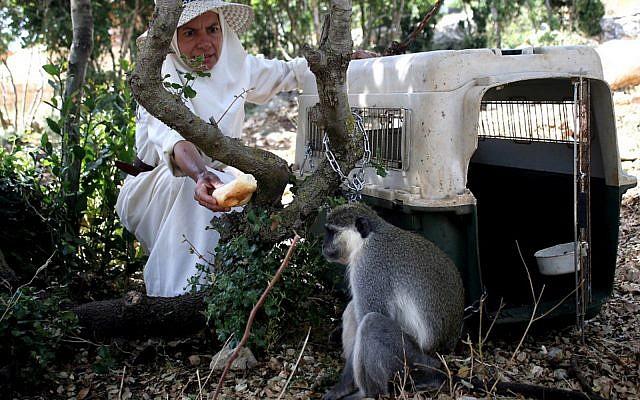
168, 204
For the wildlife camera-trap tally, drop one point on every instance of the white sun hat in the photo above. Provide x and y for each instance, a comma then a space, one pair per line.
238, 16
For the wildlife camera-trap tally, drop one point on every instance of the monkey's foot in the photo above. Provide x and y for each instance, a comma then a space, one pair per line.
342, 392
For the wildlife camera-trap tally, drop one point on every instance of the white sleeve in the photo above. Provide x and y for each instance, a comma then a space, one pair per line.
164, 138
270, 77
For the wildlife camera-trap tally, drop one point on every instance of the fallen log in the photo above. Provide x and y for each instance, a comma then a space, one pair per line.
138, 315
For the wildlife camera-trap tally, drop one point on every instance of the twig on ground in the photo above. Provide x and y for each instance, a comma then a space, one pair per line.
536, 303
254, 311
18, 293
575, 370
124, 371
199, 380
304, 345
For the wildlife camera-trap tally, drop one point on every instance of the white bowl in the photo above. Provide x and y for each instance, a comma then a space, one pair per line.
556, 260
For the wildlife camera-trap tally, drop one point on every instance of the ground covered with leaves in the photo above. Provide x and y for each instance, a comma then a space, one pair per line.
607, 363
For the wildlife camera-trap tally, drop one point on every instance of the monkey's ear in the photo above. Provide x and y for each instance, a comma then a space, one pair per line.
363, 226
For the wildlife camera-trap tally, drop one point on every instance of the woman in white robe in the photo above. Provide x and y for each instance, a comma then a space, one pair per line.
172, 202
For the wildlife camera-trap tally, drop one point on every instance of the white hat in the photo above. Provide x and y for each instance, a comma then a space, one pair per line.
238, 16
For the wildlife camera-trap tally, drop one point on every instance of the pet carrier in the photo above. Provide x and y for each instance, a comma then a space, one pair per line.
494, 155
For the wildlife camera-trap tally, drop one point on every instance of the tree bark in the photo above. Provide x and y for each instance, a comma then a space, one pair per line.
315, 9
81, 47
139, 315
396, 29
497, 25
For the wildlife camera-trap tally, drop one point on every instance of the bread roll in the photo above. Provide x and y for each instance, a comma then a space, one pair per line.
237, 192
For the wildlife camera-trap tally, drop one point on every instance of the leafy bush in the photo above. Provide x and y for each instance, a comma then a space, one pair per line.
589, 14
32, 330
305, 295
98, 262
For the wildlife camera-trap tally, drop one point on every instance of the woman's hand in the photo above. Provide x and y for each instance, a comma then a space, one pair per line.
206, 183
188, 159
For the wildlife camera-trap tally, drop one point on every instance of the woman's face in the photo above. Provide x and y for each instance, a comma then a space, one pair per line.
202, 36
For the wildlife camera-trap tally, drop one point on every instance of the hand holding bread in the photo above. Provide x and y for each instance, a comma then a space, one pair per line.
237, 192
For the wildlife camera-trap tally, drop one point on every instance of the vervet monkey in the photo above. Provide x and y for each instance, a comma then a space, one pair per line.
407, 301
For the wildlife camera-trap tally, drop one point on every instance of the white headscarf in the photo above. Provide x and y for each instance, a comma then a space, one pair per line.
230, 77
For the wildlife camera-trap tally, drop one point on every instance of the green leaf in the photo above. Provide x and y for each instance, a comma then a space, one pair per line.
189, 93
44, 139
51, 69
53, 125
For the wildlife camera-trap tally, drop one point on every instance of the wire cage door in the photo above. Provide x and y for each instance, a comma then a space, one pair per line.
566, 121
387, 129
582, 198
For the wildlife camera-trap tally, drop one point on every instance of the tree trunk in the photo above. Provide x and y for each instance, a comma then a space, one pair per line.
140, 315
497, 30
396, 29
82, 21
547, 4
315, 9
363, 25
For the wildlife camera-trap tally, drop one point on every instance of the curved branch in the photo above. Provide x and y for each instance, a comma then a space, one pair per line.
329, 63
271, 171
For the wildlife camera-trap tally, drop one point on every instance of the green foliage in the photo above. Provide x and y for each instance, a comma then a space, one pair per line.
32, 332
589, 14
98, 262
31, 22
303, 295
185, 90
104, 361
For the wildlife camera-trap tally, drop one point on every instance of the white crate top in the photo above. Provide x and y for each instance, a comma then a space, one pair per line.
447, 70
443, 92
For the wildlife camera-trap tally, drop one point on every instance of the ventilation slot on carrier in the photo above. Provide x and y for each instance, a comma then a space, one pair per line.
527, 121
386, 129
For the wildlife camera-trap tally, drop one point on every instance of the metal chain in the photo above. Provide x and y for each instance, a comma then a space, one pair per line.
356, 184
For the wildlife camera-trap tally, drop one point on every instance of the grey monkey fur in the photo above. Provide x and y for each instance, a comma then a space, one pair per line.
407, 300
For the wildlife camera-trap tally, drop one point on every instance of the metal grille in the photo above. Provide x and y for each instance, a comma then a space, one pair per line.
387, 131
527, 121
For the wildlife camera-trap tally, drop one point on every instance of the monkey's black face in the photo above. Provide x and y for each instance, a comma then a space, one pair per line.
331, 248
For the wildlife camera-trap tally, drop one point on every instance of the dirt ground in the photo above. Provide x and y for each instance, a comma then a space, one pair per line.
607, 363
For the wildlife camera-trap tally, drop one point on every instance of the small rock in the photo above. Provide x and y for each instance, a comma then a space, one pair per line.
560, 374
632, 275
536, 371
500, 359
309, 359
291, 352
245, 360
274, 364
522, 356
194, 360
554, 354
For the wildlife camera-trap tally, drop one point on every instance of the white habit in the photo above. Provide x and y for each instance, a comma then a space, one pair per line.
158, 206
